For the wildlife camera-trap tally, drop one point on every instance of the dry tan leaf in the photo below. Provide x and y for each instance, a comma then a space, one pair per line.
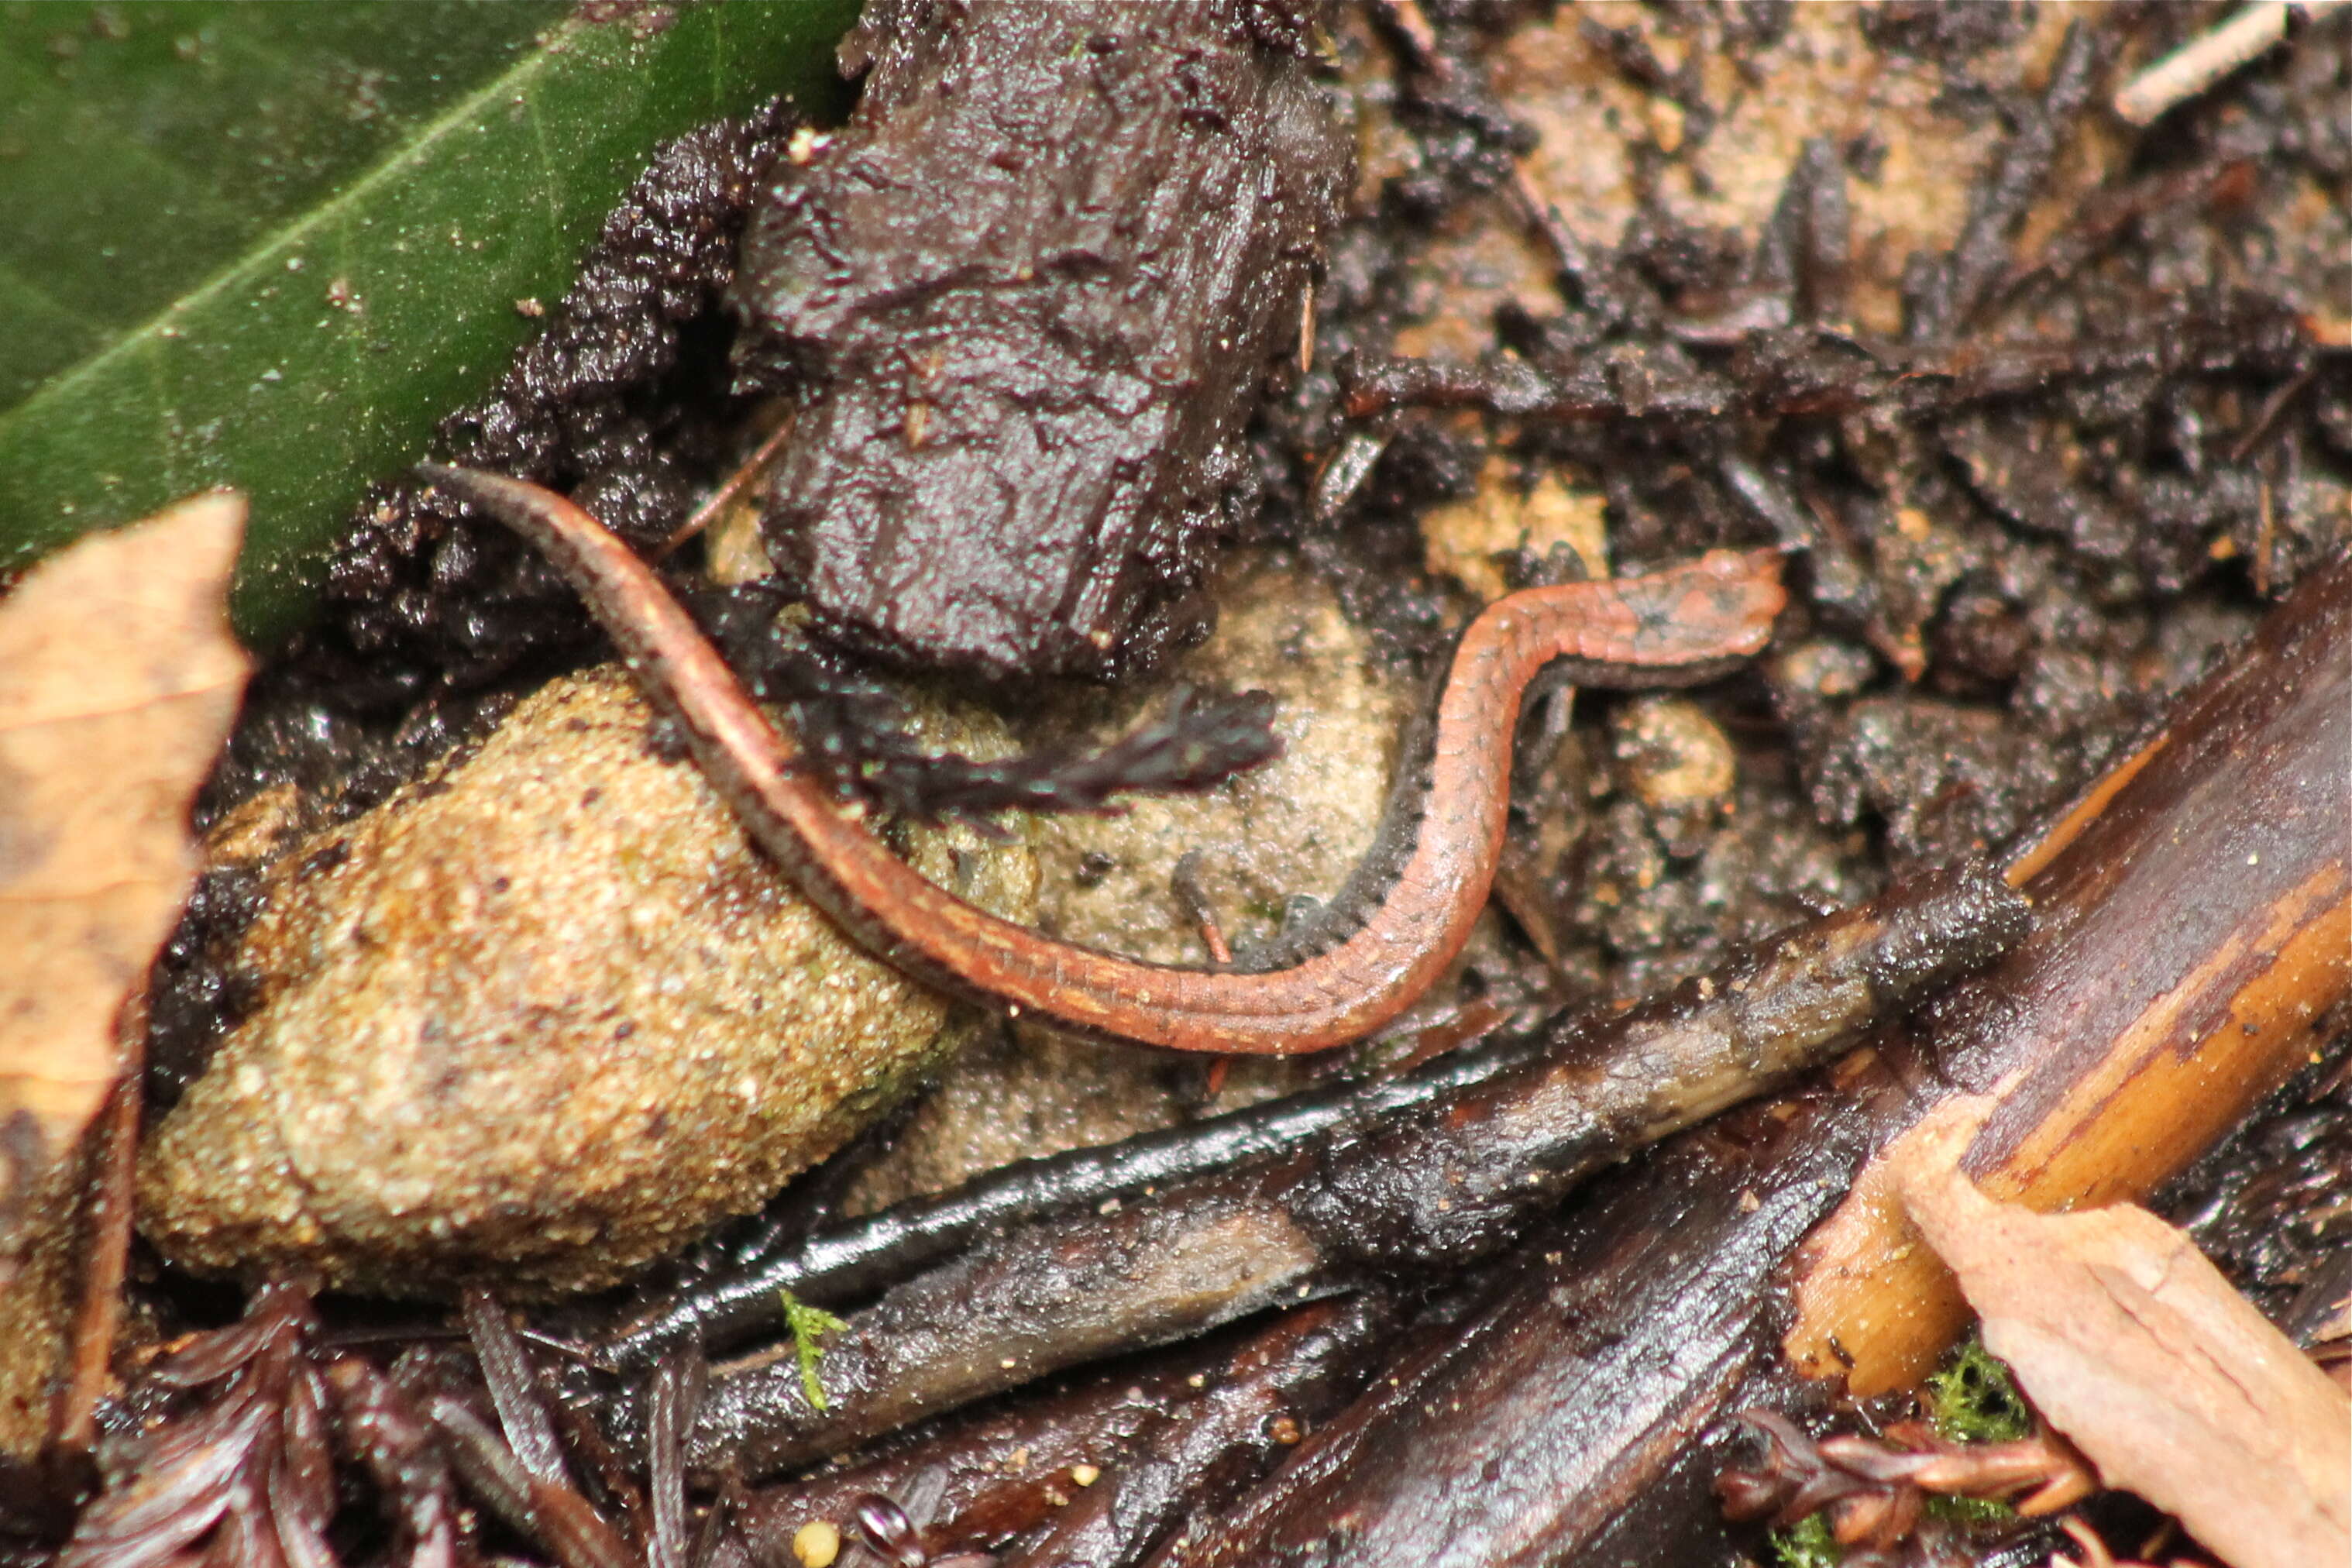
117, 680
2136, 1347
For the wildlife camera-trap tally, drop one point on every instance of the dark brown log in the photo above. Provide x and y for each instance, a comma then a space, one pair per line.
1027, 297
1193, 1461
2194, 917
995, 1470
1625, 1337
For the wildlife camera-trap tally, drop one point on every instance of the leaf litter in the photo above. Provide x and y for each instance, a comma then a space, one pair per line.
2132, 1344
119, 678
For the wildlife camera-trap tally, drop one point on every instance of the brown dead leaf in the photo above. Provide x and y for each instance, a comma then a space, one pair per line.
2136, 1347
117, 680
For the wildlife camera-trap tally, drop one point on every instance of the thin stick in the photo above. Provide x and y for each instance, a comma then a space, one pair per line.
724, 496
1420, 39
2273, 407
2204, 60
2265, 541
106, 1246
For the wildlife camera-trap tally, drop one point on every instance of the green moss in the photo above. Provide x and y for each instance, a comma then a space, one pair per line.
1808, 1545
1967, 1511
1973, 1399
806, 1323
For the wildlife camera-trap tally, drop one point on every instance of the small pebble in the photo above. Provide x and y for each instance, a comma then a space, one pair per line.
816, 1544
1674, 755
1826, 669
1464, 540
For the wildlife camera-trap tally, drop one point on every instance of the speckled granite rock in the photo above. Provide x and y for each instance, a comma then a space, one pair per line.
540, 1019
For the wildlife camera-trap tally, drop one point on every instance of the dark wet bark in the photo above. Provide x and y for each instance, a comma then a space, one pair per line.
1191, 1465
1546, 1424
1199, 1425
1027, 298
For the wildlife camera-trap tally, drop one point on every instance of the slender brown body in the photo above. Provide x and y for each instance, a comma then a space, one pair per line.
1719, 606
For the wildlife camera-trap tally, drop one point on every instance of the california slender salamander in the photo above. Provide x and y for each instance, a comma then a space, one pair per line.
1719, 606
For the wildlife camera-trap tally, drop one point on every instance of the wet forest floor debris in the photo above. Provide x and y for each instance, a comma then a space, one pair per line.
2048, 411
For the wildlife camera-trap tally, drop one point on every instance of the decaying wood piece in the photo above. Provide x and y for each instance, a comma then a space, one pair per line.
1104, 1464
1193, 1463
1027, 297
1549, 1416
2191, 926
864, 1255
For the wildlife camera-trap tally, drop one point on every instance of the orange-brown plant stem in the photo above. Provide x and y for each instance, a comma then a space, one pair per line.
2194, 917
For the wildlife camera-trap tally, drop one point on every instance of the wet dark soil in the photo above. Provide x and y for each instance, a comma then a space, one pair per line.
2046, 411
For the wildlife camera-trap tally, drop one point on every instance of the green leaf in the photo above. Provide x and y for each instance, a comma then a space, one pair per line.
270, 245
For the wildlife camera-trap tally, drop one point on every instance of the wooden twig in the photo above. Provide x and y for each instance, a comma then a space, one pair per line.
2205, 59
2208, 893
106, 1217
747, 473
